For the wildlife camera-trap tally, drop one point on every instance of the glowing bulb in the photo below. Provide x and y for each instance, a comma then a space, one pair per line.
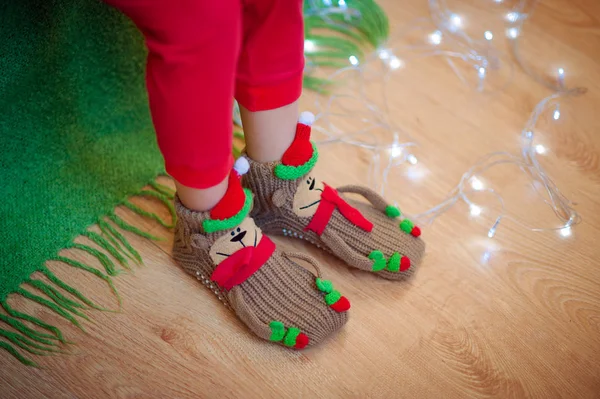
540, 149
327, 2
556, 115
456, 20
412, 159
529, 134
475, 210
395, 151
512, 33
342, 3
476, 184
488, 35
353, 60
512, 16
485, 258
395, 63
498, 1
309, 45
435, 37
561, 72
565, 231
481, 72
383, 54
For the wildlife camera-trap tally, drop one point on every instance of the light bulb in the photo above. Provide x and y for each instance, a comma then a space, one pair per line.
481, 72
395, 151
475, 210
540, 149
476, 184
342, 3
384, 54
353, 60
485, 258
512, 16
456, 20
395, 63
565, 231
435, 37
309, 45
412, 159
556, 115
492, 232
488, 35
512, 33
561, 72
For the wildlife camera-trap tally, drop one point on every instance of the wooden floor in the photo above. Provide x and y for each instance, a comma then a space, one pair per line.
516, 316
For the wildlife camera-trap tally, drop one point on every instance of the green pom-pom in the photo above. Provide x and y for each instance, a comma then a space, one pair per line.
277, 330
324, 285
394, 262
392, 211
406, 226
290, 337
332, 297
378, 260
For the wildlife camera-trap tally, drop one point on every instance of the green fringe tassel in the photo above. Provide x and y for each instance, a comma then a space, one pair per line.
115, 236
108, 264
165, 200
102, 242
106, 233
166, 191
126, 226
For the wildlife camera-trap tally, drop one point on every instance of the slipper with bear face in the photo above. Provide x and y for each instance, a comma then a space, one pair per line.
292, 201
277, 298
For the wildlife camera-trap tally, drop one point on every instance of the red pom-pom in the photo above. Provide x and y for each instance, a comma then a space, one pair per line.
301, 341
232, 202
301, 149
342, 305
404, 263
416, 231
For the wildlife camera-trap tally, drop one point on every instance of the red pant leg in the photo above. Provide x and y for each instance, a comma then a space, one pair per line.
271, 63
193, 52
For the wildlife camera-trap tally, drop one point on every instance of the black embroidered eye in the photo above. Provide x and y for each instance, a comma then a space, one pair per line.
233, 233
238, 229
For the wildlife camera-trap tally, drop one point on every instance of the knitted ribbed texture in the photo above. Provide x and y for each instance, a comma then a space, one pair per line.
280, 290
274, 214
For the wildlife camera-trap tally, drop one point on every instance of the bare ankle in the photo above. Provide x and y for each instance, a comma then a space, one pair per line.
269, 133
201, 199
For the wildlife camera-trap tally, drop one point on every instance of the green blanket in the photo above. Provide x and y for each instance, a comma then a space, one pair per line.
76, 140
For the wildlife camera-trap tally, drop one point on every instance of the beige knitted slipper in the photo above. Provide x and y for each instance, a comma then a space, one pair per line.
274, 296
293, 202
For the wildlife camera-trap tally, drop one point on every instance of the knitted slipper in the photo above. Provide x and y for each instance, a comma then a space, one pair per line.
274, 296
291, 201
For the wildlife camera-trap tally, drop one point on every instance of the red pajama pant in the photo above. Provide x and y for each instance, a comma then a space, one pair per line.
202, 54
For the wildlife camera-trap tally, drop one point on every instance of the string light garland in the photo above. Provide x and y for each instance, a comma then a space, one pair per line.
450, 41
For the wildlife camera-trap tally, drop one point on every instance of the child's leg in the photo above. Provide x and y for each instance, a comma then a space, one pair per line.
269, 75
193, 52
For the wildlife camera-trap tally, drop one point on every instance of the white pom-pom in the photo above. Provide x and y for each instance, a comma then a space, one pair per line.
241, 166
306, 118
